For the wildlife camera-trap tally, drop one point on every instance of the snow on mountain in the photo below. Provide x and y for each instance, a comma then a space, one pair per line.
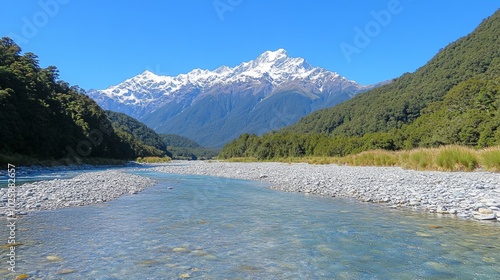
148, 87
147, 95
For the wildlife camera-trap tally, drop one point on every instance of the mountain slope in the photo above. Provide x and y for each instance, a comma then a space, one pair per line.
453, 99
175, 140
264, 94
469, 115
139, 130
43, 118
401, 102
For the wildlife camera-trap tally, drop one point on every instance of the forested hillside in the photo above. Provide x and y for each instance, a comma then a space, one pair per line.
185, 148
453, 99
476, 55
44, 118
175, 140
134, 127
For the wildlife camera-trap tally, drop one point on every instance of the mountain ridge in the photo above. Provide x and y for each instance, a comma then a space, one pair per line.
187, 104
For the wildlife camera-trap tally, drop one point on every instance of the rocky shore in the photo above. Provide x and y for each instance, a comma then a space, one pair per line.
465, 194
84, 189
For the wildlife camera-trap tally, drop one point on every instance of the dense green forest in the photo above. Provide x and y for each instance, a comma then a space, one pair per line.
43, 118
139, 130
175, 140
453, 99
185, 148
171, 145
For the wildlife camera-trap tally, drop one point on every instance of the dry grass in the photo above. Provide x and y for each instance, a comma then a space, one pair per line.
490, 159
447, 158
456, 158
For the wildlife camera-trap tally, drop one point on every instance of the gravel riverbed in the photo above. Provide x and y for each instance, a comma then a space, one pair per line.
465, 194
84, 189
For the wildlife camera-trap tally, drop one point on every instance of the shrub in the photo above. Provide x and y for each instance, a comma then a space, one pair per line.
153, 159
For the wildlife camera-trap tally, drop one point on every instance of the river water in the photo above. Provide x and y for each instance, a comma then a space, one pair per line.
201, 227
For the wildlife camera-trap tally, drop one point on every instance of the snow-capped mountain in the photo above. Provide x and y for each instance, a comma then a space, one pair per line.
213, 107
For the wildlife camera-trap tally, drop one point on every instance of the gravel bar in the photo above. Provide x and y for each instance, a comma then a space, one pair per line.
84, 189
473, 195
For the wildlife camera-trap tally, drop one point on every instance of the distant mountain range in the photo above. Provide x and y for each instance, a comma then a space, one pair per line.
214, 107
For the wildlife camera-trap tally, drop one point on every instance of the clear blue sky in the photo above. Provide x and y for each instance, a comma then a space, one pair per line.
100, 43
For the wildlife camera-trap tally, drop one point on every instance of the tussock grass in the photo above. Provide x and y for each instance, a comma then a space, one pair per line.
490, 159
421, 159
371, 158
446, 158
153, 159
456, 158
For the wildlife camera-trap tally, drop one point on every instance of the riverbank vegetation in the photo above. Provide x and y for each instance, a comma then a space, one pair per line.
153, 159
448, 158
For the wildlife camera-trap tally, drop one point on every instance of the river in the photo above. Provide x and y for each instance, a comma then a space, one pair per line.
202, 227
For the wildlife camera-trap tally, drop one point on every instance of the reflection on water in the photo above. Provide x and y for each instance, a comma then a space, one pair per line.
210, 228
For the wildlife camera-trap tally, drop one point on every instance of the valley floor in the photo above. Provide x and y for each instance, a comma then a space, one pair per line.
464, 194
474, 195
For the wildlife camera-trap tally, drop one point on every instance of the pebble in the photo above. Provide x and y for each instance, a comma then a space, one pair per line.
53, 258
480, 216
22, 277
461, 194
180, 250
66, 271
484, 211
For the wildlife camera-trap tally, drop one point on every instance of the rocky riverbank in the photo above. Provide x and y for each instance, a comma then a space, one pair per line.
465, 194
84, 189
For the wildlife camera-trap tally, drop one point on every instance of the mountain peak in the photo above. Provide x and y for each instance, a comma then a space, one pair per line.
222, 69
272, 56
147, 73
